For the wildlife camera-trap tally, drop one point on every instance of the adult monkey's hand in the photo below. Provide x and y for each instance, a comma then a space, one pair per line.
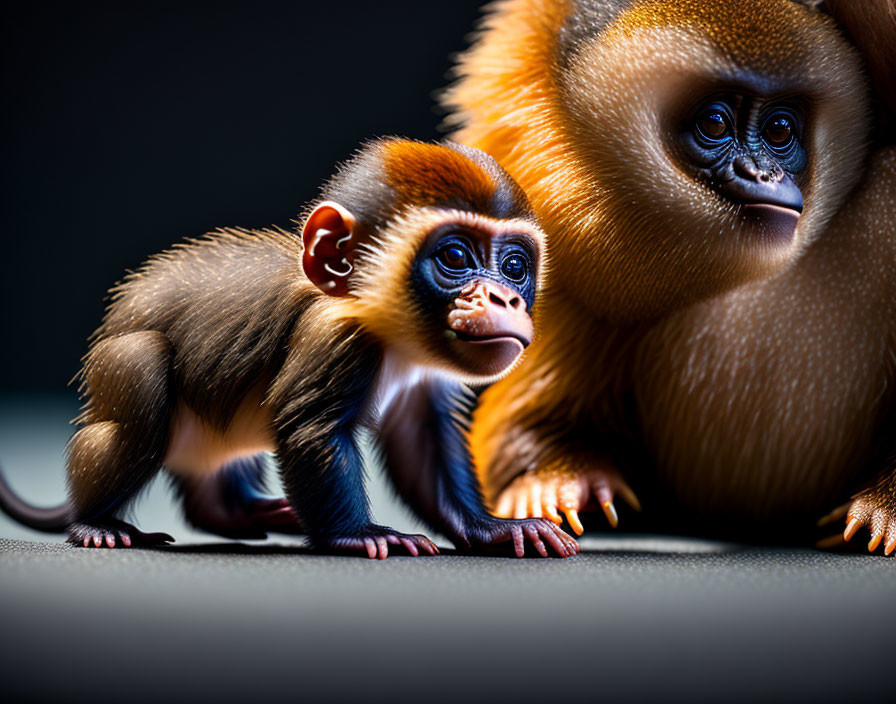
568, 489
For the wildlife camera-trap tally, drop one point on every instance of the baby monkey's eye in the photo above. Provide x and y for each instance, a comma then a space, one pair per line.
515, 267
454, 257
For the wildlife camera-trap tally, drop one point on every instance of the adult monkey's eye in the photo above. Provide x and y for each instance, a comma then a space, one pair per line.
454, 257
515, 267
713, 125
779, 131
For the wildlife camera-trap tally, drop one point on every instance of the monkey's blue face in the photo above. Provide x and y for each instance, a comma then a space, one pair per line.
458, 257
750, 151
476, 291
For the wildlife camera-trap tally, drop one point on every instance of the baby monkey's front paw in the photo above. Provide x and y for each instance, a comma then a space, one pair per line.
874, 509
375, 541
548, 491
489, 534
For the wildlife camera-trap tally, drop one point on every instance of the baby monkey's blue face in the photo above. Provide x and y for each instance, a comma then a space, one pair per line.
475, 287
458, 256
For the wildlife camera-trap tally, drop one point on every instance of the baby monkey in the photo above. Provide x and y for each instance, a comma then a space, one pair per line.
416, 275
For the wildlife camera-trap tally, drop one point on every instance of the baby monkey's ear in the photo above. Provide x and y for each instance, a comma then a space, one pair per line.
329, 248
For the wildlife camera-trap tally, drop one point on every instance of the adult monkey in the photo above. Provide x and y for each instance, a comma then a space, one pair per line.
721, 327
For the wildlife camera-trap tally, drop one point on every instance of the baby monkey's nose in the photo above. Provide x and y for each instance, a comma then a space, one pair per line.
486, 310
505, 299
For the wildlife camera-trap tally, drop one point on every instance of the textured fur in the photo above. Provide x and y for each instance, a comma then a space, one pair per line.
736, 381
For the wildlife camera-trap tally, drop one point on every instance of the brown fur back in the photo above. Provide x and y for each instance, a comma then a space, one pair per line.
227, 302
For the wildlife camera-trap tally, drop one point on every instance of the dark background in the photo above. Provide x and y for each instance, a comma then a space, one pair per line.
128, 126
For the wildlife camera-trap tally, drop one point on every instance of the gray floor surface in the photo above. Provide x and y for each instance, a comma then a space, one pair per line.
633, 618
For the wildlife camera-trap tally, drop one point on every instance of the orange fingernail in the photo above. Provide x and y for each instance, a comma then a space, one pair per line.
890, 547
875, 541
851, 528
610, 513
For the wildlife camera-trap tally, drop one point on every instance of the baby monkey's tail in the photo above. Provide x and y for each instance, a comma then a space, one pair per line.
50, 520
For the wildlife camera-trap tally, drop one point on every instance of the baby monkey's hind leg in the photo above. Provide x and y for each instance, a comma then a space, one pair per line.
233, 503
123, 438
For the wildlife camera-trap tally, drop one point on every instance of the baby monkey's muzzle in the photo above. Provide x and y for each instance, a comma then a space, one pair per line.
487, 312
